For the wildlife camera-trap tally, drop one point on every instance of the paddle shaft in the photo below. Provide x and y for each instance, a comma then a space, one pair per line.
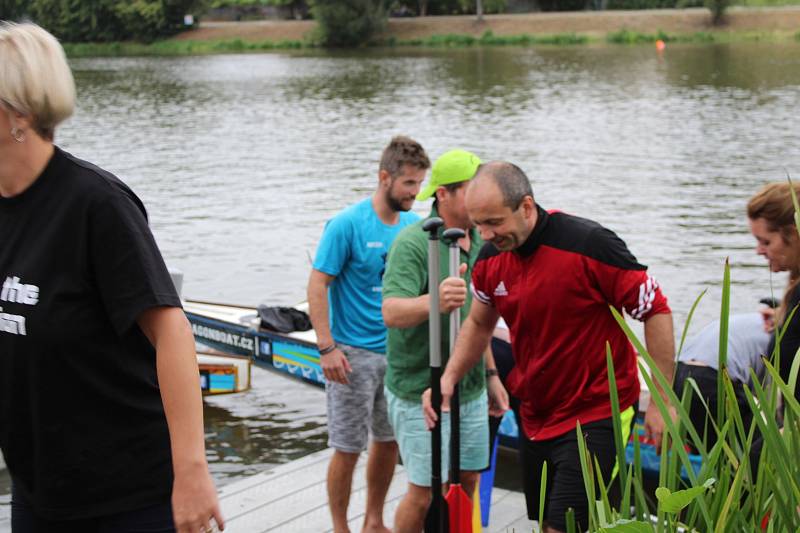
434, 521
458, 502
455, 410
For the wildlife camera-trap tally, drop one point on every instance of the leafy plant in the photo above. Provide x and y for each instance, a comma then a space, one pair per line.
111, 20
348, 22
750, 478
13, 9
717, 8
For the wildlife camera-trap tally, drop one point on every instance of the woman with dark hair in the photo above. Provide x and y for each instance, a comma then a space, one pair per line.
101, 419
771, 217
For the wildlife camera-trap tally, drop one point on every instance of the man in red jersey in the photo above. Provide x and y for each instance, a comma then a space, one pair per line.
552, 277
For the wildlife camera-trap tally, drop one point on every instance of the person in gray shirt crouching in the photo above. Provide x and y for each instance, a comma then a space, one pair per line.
748, 339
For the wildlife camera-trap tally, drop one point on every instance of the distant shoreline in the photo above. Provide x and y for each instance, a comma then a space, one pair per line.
530, 29
592, 23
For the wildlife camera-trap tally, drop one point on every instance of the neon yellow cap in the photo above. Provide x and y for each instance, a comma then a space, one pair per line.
451, 167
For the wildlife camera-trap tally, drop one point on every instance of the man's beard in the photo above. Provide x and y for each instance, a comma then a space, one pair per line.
394, 203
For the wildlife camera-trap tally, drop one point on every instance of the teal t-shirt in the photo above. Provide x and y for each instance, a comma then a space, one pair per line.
353, 249
407, 355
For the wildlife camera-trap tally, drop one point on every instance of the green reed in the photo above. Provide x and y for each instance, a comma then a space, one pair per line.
728, 493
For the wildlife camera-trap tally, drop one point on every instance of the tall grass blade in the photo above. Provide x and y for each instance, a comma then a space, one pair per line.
588, 478
689, 321
570, 519
724, 315
617, 423
670, 424
733, 496
780, 468
789, 399
665, 385
603, 505
641, 506
542, 491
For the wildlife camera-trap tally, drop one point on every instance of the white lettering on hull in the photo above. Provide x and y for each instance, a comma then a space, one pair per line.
218, 335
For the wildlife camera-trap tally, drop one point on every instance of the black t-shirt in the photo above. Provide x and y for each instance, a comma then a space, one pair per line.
82, 426
790, 341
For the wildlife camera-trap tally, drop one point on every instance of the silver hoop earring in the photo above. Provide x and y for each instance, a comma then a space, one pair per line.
18, 134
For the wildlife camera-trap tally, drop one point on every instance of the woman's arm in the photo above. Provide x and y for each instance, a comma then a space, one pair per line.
194, 498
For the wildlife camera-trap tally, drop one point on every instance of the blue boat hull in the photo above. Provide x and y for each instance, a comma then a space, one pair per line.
270, 350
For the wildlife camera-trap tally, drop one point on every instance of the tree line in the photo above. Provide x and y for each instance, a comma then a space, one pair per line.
339, 22
103, 20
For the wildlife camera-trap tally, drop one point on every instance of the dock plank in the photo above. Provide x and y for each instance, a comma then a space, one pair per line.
508, 514
293, 498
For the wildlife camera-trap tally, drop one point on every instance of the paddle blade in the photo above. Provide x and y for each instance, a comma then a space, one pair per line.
460, 510
437, 520
476, 511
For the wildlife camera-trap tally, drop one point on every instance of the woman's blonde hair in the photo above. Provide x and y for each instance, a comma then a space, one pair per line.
774, 204
35, 79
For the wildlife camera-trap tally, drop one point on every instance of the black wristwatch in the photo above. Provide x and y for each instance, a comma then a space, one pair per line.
492, 372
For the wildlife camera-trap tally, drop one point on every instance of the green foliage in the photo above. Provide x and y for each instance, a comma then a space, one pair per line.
176, 48
13, 9
490, 39
348, 22
641, 4
625, 36
563, 5
674, 502
111, 20
445, 7
627, 526
143, 19
215, 4
237, 3
717, 8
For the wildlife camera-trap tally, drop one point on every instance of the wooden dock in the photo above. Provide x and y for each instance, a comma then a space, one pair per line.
292, 498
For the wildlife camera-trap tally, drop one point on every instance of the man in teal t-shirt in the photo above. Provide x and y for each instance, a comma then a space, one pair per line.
344, 297
405, 311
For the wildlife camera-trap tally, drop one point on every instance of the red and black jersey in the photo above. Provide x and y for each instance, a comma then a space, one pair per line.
554, 293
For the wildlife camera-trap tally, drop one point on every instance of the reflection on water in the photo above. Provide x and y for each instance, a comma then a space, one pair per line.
278, 420
241, 160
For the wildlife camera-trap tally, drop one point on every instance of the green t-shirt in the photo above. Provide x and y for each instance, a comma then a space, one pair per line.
407, 352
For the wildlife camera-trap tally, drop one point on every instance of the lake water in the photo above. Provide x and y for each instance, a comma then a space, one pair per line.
241, 159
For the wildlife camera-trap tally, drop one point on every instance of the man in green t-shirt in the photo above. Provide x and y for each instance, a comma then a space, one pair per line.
405, 313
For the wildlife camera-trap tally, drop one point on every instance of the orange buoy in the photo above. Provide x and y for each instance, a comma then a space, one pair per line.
660, 45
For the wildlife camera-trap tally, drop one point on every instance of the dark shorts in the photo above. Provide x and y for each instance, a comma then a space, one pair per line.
565, 488
153, 519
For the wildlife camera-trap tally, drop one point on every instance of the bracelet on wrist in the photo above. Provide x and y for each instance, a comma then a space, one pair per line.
492, 372
329, 349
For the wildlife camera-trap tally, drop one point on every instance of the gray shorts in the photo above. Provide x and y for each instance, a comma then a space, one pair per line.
359, 408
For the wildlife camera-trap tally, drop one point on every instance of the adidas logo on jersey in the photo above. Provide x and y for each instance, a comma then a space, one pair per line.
500, 290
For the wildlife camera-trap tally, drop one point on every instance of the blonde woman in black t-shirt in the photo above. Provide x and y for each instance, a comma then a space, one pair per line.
770, 213
101, 420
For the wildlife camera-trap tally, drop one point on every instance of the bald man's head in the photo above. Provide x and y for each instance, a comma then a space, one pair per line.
500, 203
512, 182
